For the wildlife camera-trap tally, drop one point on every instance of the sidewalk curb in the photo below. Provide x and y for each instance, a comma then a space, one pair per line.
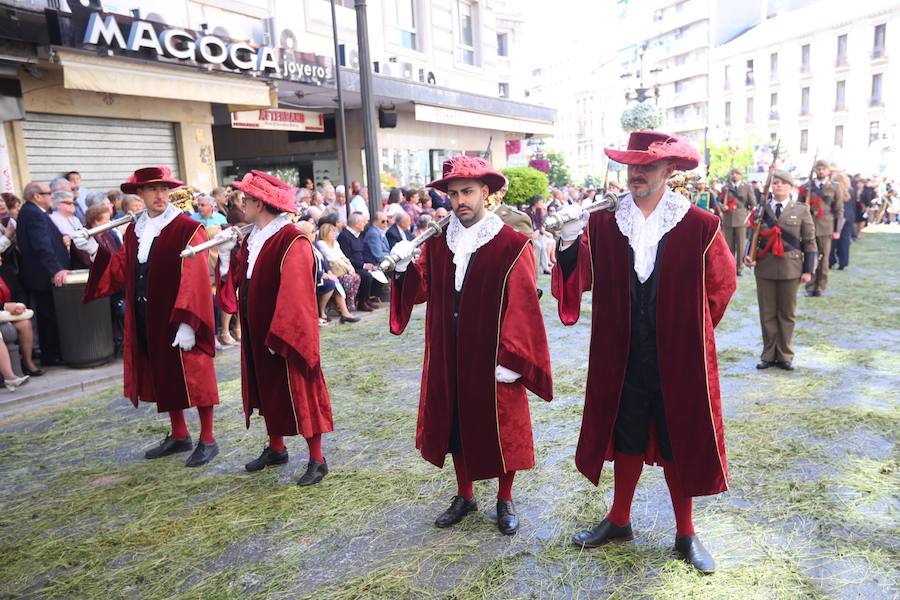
17, 405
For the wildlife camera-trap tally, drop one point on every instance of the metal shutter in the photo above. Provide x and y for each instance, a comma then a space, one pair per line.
104, 151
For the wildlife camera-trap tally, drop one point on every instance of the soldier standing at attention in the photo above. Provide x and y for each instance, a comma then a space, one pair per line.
785, 259
737, 200
825, 202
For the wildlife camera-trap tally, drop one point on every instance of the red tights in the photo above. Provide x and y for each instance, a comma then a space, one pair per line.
627, 473
465, 487
276, 443
179, 426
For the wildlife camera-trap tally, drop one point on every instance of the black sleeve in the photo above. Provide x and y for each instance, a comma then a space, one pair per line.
568, 258
809, 262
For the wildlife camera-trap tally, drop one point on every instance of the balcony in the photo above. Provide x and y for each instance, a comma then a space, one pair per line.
694, 68
841, 63
773, 115
691, 96
840, 107
688, 123
693, 12
878, 53
876, 103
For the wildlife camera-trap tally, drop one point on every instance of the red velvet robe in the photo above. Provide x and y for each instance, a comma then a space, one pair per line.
178, 292
281, 308
499, 322
696, 281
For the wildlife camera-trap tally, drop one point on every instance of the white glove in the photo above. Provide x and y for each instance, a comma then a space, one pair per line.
570, 230
224, 262
185, 337
505, 375
86, 244
228, 246
405, 252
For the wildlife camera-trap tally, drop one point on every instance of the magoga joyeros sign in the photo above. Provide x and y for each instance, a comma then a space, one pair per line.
104, 29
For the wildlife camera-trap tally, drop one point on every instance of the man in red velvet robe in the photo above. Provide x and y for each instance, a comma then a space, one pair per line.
485, 342
662, 276
169, 323
274, 274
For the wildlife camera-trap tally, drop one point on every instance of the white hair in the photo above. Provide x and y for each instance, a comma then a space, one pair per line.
60, 183
340, 190
60, 196
96, 198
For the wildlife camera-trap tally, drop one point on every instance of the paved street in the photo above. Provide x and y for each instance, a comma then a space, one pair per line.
813, 509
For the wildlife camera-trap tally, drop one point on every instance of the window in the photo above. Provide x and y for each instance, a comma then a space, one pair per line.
773, 66
749, 110
773, 106
878, 46
876, 90
344, 3
841, 51
727, 81
403, 13
839, 136
680, 86
840, 95
804, 101
504, 90
748, 80
728, 114
680, 59
466, 31
873, 131
502, 44
804, 59
804, 141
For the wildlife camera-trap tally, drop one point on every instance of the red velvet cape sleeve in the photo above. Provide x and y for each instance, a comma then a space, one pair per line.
294, 332
226, 296
193, 304
719, 277
568, 291
523, 339
107, 274
407, 290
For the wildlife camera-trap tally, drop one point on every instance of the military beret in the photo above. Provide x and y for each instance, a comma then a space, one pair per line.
784, 176
822, 163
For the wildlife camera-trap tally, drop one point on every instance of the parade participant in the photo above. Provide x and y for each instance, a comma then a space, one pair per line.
274, 273
479, 282
169, 323
737, 199
785, 259
825, 202
701, 198
662, 276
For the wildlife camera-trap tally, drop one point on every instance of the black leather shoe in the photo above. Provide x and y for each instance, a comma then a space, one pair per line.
350, 319
36, 373
785, 365
459, 508
363, 307
507, 521
765, 364
315, 472
169, 446
202, 454
602, 534
267, 458
691, 551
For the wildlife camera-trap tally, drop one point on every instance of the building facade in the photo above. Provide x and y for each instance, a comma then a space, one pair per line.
820, 79
213, 88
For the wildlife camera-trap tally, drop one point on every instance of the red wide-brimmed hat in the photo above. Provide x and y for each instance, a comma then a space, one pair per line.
150, 176
268, 190
469, 167
645, 147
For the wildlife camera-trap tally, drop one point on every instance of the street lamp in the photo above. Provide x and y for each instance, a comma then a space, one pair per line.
642, 92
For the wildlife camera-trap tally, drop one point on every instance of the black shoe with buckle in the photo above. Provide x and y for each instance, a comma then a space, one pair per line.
603, 534
691, 551
459, 508
268, 458
507, 521
765, 364
315, 472
169, 446
202, 454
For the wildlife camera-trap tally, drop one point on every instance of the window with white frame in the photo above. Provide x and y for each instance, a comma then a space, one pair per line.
503, 90
503, 44
403, 14
466, 38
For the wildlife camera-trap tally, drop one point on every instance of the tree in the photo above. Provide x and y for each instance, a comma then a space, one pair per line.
643, 115
559, 170
524, 184
724, 157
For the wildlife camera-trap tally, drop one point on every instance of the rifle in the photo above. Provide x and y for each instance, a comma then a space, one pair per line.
812, 171
761, 207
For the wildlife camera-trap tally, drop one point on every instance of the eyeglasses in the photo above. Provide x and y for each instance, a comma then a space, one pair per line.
42, 193
69, 202
382, 221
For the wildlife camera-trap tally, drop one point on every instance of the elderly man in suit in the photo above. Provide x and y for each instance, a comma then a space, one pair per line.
399, 231
786, 258
353, 246
45, 263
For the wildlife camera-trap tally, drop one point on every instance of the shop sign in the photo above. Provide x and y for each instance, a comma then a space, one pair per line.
139, 38
279, 119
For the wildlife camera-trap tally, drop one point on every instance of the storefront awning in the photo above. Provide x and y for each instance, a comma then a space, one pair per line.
464, 118
115, 76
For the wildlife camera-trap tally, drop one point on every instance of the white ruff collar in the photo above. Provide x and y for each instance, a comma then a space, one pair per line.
258, 238
644, 233
148, 229
464, 241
